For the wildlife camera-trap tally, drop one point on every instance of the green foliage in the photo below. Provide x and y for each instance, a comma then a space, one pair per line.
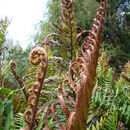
7, 91
68, 31
85, 12
11, 101
116, 36
6, 110
41, 121
19, 121
3, 27
107, 122
109, 94
110, 121
21, 59
9, 115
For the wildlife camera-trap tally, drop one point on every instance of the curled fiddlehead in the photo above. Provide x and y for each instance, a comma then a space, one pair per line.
38, 56
82, 74
12, 67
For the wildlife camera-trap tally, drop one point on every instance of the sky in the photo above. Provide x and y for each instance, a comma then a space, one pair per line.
24, 15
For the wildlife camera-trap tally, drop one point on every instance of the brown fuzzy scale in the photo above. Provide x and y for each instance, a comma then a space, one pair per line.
38, 56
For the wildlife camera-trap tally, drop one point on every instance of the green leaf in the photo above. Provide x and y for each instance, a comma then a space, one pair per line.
7, 91
1, 108
9, 115
19, 121
41, 121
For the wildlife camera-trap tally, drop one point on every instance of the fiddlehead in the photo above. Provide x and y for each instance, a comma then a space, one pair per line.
38, 56
84, 71
87, 65
12, 67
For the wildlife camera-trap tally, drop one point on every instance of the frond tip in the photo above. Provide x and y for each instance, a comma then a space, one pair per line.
13, 67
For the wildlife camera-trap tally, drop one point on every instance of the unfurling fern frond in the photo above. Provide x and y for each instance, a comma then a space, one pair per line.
69, 26
12, 67
67, 40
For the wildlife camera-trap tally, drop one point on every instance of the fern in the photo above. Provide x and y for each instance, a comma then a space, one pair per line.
9, 116
67, 33
109, 93
18, 121
69, 29
107, 122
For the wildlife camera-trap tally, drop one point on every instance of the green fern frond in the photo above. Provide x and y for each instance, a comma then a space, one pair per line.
69, 25
9, 121
109, 93
67, 40
19, 121
107, 122
68, 31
